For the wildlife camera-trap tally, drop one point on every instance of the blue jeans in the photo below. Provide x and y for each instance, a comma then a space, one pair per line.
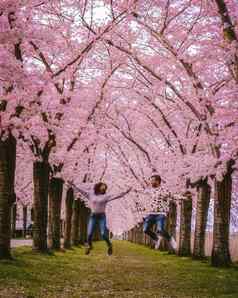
94, 220
159, 221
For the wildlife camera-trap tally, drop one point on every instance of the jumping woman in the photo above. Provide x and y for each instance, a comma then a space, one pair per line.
97, 201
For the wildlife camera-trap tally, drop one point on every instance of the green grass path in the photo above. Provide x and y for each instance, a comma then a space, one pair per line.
133, 271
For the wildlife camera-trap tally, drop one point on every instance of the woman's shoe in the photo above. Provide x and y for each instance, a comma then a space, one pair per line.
109, 250
87, 249
173, 243
157, 242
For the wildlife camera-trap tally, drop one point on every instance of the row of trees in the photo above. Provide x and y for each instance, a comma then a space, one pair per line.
72, 226
116, 90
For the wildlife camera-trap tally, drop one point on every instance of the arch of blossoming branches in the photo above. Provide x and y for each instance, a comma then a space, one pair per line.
114, 91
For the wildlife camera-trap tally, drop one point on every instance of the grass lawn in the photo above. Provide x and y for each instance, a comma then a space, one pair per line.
133, 271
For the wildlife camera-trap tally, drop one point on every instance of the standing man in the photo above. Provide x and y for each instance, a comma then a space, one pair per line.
157, 215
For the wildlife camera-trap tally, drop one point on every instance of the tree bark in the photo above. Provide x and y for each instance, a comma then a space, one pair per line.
83, 222
68, 217
223, 189
41, 185
229, 33
50, 222
75, 223
62, 228
140, 234
185, 228
129, 235
203, 200
24, 221
172, 221
164, 246
14, 219
55, 203
222, 205
7, 176
32, 214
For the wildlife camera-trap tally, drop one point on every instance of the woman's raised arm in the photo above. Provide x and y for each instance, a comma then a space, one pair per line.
83, 192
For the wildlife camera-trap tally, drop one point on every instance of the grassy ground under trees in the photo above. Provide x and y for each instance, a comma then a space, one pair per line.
133, 271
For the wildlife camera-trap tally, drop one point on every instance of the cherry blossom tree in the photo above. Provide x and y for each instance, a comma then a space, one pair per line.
116, 91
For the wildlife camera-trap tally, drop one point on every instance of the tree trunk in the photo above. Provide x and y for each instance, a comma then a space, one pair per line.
62, 228
7, 175
164, 246
229, 33
32, 214
140, 234
185, 228
172, 221
50, 221
83, 222
222, 206
134, 234
129, 235
55, 202
41, 184
75, 222
203, 200
14, 219
68, 217
24, 221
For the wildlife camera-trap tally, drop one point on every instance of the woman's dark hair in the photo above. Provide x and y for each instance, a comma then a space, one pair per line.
156, 177
97, 188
